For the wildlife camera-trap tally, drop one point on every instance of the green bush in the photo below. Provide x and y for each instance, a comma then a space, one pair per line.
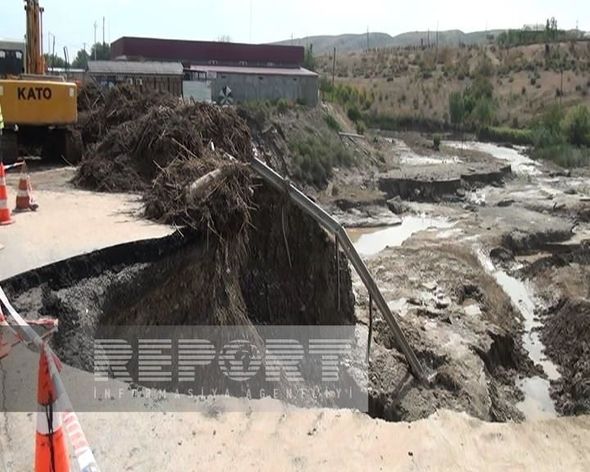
332, 123
314, 158
564, 155
346, 95
576, 126
547, 129
354, 114
456, 108
283, 105
260, 110
563, 138
361, 127
483, 112
391, 122
522, 137
475, 105
436, 139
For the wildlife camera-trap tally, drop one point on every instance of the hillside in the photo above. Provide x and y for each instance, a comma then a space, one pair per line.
417, 82
358, 42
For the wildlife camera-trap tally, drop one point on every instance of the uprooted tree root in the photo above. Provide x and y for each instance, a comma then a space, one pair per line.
224, 208
162, 149
100, 110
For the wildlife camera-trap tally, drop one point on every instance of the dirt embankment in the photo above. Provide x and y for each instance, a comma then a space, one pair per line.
461, 325
567, 336
563, 282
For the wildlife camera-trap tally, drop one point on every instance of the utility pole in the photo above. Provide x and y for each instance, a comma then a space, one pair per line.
94, 45
561, 88
250, 20
436, 53
103, 23
334, 68
368, 39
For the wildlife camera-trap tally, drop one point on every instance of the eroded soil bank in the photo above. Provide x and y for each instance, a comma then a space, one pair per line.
282, 271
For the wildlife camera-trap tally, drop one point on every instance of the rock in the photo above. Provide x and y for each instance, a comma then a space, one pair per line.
505, 203
429, 285
397, 206
345, 204
501, 254
442, 303
415, 301
472, 310
570, 191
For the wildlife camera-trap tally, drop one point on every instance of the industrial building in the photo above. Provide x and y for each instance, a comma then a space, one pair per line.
228, 72
163, 76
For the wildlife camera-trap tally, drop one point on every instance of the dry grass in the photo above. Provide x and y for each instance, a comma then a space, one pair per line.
418, 82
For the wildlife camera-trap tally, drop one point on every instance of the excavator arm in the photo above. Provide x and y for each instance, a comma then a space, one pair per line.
35, 63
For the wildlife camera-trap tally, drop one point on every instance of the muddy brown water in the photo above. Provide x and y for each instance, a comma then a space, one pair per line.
537, 403
370, 241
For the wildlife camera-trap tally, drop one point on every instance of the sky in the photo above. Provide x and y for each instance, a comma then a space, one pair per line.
72, 22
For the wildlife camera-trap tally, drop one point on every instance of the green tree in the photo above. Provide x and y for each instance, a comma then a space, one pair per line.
81, 60
456, 108
481, 87
479, 101
547, 129
576, 126
100, 52
484, 112
53, 60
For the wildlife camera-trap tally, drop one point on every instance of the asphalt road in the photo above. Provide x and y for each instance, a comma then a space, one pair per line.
69, 222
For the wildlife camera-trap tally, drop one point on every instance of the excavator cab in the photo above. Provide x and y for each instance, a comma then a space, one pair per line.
11, 61
42, 108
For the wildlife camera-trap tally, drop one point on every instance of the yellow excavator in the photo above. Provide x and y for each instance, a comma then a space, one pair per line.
39, 110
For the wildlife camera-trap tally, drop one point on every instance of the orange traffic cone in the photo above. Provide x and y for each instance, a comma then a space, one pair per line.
51, 452
5, 218
24, 195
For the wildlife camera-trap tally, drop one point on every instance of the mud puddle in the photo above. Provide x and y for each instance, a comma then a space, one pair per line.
370, 241
520, 163
537, 403
410, 158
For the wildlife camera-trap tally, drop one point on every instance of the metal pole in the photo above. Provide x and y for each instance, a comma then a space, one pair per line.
334, 69
337, 275
370, 336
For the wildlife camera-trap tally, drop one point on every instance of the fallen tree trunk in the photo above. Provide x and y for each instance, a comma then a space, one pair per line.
200, 187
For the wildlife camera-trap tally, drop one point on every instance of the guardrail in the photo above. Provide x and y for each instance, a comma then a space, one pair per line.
327, 222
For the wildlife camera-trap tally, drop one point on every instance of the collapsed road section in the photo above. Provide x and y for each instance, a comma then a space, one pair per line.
245, 253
